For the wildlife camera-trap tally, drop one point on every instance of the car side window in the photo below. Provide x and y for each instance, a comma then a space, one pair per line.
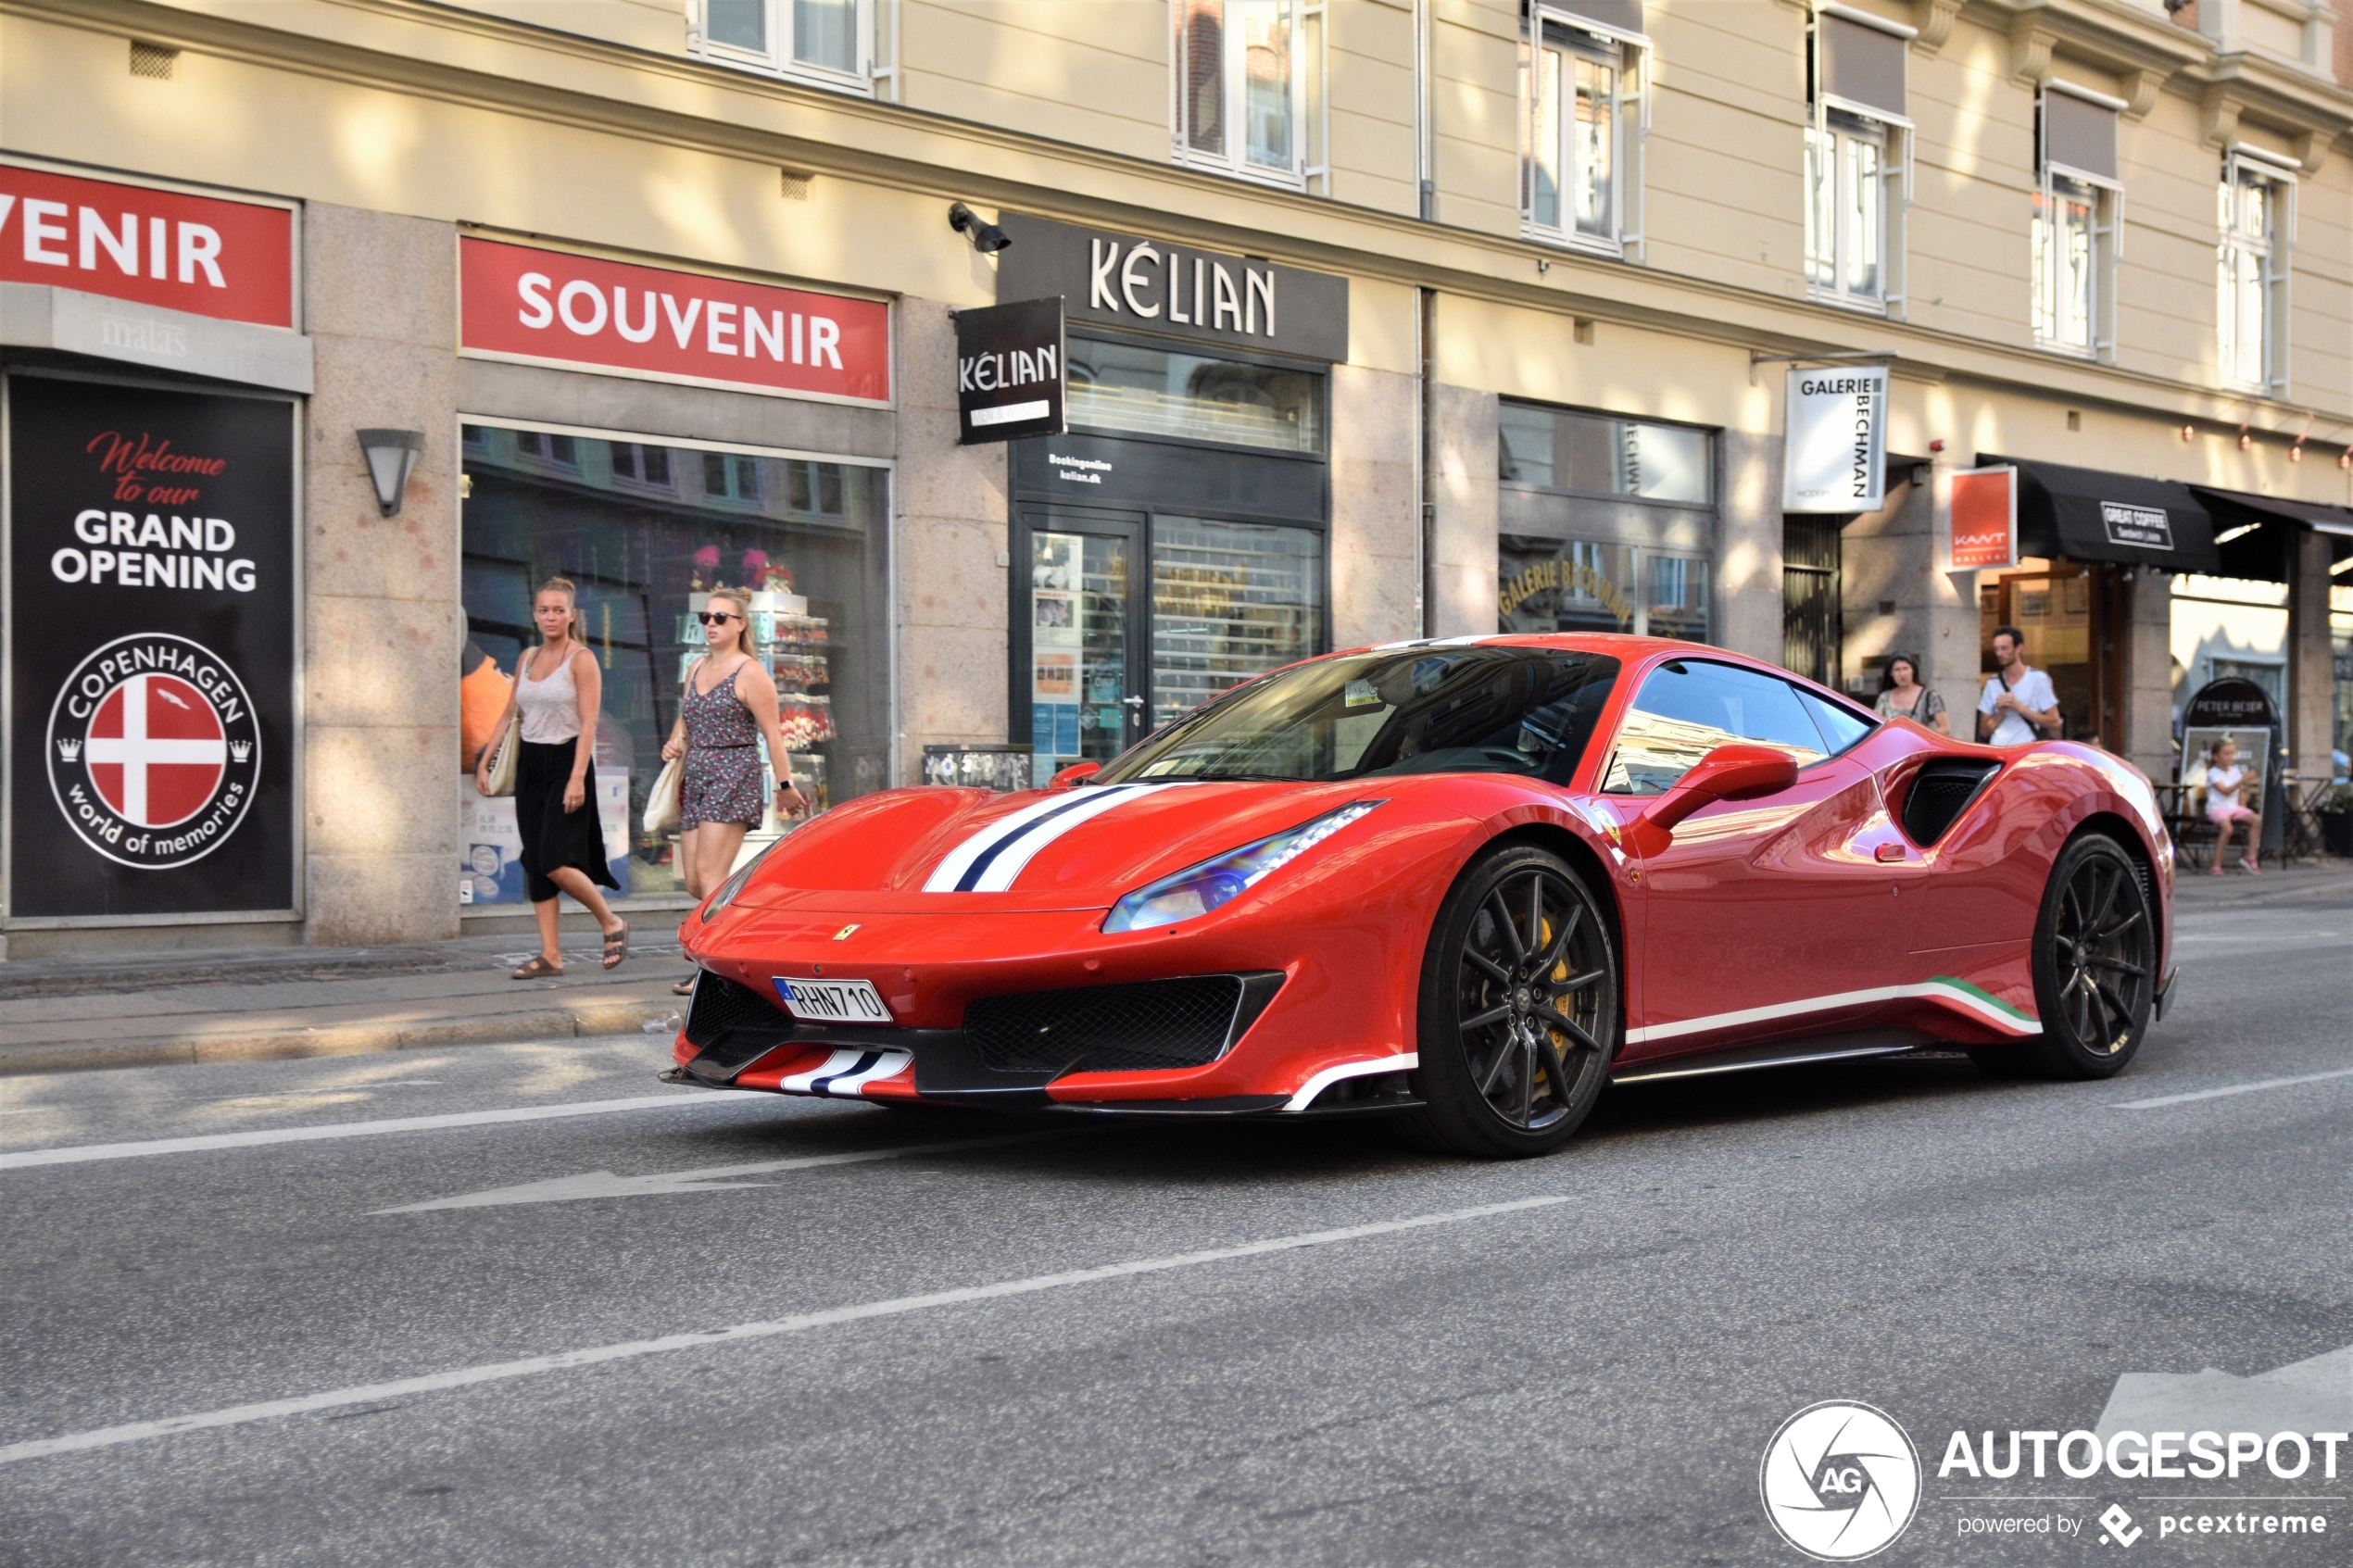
1841, 727
1687, 708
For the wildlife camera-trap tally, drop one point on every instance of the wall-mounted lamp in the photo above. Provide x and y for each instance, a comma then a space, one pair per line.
987, 238
390, 454
2296, 453
2246, 438
2344, 458
2189, 432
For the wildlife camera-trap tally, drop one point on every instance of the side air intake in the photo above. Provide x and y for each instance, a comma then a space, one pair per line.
1939, 792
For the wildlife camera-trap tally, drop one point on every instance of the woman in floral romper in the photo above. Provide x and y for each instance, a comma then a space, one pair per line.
728, 706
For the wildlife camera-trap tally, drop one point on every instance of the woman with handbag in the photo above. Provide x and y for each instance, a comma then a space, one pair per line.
544, 761
729, 705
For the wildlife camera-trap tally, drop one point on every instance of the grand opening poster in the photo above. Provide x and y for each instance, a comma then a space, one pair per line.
151, 640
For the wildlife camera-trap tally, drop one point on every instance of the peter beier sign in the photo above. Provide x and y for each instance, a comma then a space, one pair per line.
151, 639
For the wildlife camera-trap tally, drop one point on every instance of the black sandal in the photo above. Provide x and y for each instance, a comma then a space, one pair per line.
537, 969
616, 946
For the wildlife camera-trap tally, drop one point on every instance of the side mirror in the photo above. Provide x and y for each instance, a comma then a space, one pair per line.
1077, 773
1728, 772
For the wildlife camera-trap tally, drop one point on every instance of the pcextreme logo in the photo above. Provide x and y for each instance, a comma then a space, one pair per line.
1841, 1481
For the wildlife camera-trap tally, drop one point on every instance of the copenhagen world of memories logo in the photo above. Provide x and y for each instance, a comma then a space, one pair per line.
1841, 1481
153, 750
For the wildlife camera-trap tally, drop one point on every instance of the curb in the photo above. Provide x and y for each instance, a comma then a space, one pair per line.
581, 1021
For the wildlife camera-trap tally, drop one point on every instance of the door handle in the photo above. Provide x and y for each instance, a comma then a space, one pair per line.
1133, 701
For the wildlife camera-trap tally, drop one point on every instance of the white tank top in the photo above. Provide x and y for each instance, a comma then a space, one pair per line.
550, 708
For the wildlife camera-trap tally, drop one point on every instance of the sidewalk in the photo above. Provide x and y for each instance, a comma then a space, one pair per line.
2196, 888
69, 1014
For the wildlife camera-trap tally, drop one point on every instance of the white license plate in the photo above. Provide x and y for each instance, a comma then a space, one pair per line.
834, 1002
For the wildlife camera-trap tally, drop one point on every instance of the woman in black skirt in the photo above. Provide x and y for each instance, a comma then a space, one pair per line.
558, 689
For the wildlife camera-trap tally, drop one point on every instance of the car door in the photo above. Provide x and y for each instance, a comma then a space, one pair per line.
1760, 914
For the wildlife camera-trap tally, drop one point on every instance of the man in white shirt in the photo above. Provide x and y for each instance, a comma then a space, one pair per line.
2019, 705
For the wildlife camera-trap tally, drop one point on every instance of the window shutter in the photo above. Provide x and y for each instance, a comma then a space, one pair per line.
1626, 16
1861, 65
2079, 135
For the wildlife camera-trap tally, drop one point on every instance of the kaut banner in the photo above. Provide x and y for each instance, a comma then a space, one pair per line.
151, 637
555, 307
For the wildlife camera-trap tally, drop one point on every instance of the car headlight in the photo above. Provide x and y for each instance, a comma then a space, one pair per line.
1198, 889
735, 884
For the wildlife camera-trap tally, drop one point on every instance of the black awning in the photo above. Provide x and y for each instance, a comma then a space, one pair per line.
2255, 533
2091, 514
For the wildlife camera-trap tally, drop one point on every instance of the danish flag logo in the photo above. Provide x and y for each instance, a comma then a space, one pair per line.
158, 750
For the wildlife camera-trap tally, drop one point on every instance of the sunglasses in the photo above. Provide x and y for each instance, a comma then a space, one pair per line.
715, 617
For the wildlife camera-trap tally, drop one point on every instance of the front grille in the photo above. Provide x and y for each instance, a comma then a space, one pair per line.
1938, 794
1160, 1023
733, 1026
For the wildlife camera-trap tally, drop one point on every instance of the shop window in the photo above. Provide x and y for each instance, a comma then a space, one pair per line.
1230, 600
2077, 223
1555, 449
643, 563
1123, 388
2256, 211
1679, 598
1579, 128
830, 42
1246, 100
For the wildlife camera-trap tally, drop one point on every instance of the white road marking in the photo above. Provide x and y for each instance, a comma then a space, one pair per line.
2308, 1396
499, 1372
604, 1183
2162, 1101
78, 1153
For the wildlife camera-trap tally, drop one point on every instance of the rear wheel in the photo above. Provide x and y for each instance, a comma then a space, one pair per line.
1519, 1008
2094, 968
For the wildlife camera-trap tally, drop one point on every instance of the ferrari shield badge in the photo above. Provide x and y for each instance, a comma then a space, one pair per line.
153, 751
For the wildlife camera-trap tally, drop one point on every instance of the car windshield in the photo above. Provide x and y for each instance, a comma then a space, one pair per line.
1490, 710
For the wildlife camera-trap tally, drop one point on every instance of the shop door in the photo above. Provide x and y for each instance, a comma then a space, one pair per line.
1079, 575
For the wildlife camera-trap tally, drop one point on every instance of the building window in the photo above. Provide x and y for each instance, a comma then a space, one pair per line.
1578, 91
1847, 210
1129, 390
2077, 232
1243, 88
2252, 274
827, 40
642, 565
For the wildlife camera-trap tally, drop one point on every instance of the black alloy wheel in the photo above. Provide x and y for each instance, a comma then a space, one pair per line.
1520, 1008
2095, 967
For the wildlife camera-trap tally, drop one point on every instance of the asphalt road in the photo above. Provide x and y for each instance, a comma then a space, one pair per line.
1578, 1360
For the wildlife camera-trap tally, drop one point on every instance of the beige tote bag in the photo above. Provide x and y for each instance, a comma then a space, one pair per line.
662, 801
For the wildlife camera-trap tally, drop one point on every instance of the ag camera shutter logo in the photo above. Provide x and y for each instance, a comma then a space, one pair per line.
1841, 1481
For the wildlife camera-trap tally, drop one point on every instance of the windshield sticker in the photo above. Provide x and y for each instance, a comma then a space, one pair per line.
1362, 695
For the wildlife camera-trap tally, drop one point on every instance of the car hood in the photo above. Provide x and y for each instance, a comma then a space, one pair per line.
945, 850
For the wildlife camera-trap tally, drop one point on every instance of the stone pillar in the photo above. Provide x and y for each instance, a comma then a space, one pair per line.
951, 527
1748, 551
381, 617
1374, 506
2148, 741
2311, 671
1886, 588
1464, 564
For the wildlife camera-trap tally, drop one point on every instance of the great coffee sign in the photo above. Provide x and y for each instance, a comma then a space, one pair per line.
1131, 281
151, 647
204, 254
557, 307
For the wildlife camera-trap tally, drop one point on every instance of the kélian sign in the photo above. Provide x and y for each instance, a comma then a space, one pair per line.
1010, 361
1834, 457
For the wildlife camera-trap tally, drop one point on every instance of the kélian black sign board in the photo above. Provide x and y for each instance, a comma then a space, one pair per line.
1010, 361
1116, 280
151, 637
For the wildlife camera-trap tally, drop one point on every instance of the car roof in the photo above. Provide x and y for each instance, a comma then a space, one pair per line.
1631, 651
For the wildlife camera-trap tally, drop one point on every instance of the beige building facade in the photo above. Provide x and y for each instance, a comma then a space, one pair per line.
1541, 273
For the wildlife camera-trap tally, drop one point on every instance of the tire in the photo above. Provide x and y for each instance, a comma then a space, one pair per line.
2095, 962
1516, 1033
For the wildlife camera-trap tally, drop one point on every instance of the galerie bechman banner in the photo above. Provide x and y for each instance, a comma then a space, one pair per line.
151, 634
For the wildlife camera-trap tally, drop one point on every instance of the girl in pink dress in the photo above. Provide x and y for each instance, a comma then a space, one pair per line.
2225, 780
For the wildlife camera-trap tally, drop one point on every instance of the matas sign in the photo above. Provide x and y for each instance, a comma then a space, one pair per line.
556, 307
229, 259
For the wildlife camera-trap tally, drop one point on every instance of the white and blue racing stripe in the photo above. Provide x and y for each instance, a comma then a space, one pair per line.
990, 859
845, 1074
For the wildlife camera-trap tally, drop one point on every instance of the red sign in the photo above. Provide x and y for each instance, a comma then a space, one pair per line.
208, 256
157, 750
1984, 517
518, 302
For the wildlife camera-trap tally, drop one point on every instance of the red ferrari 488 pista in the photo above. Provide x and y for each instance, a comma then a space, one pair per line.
1464, 882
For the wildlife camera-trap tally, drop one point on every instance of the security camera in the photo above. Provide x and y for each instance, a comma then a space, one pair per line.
987, 238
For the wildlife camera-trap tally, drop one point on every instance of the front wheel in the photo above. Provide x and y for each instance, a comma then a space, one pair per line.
2095, 967
1520, 1008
